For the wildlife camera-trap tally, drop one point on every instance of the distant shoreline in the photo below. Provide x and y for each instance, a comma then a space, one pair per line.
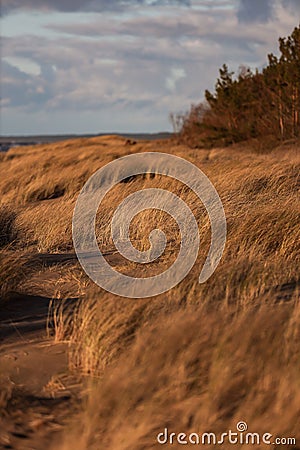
7, 142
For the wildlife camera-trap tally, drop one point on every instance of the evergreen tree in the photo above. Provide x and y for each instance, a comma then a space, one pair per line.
252, 104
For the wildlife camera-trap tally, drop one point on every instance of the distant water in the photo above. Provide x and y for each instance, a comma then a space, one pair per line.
7, 142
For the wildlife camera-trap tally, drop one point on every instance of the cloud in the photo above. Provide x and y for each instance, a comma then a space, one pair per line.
262, 11
293, 5
21, 88
177, 73
103, 72
9, 6
161, 62
170, 28
255, 10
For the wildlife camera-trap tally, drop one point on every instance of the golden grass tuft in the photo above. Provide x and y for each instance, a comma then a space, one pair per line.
198, 370
8, 229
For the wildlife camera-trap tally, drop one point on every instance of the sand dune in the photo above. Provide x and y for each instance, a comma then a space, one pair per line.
81, 368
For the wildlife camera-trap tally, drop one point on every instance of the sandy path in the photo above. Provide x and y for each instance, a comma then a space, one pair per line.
37, 392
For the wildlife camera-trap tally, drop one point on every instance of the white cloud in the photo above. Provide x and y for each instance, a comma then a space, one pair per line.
177, 73
24, 64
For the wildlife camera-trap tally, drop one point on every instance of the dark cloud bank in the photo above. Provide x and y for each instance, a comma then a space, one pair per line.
248, 10
9, 6
263, 10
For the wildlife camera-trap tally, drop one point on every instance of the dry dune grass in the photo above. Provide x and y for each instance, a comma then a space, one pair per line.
15, 265
198, 370
199, 357
8, 230
15, 269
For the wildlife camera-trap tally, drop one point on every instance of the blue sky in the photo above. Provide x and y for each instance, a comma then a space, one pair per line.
89, 66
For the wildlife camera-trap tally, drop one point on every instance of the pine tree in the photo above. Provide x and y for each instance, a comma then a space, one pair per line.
252, 104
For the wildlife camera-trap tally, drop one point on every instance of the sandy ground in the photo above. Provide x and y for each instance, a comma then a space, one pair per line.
39, 391
36, 385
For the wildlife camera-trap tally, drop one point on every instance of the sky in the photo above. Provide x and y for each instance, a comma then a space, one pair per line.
93, 66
